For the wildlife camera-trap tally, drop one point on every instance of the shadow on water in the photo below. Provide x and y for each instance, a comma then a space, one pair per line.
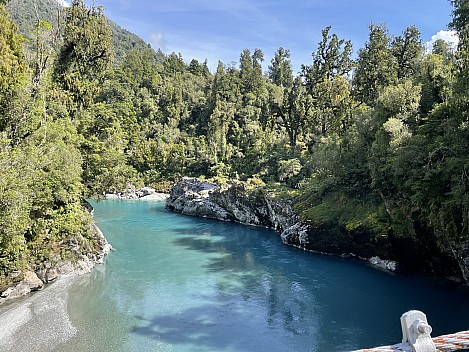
343, 300
200, 328
263, 295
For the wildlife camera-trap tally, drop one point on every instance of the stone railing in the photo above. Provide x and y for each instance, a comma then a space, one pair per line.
416, 337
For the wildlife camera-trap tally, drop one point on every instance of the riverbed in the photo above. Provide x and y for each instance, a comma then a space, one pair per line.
179, 283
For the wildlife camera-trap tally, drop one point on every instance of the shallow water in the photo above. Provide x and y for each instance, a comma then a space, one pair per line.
178, 283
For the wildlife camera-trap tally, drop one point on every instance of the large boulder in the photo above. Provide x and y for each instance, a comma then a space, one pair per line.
29, 283
230, 202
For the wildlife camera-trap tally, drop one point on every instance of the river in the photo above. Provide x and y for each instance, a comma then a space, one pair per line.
178, 283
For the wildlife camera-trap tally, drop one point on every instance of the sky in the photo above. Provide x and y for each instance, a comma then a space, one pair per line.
221, 29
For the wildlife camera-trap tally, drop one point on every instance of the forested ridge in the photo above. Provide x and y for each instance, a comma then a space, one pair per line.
376, 144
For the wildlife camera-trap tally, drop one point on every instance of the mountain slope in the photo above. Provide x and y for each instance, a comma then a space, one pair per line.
24, 14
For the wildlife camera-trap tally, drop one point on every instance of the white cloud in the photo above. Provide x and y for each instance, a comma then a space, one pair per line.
157, 40
448, 36
63, 3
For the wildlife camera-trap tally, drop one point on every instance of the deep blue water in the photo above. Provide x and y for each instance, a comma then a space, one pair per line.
178, 283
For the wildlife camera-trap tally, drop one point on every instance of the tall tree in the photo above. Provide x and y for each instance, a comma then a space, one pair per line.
460, 24
408, 50
436, 77
12, 63
332, 58
280, 70
326, 82
86, 54
250, 71
443, 48
294, 111
460, 19
376, 66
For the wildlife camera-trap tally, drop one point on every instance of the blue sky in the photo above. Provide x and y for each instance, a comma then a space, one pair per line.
221, 29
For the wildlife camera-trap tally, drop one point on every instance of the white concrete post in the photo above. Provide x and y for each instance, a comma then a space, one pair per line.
416, 331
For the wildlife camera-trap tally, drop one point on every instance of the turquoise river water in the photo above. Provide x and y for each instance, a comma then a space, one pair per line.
179, 283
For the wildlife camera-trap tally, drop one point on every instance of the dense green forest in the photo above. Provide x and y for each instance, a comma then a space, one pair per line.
378, 143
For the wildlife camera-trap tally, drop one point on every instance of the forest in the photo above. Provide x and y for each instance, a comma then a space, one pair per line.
377, 141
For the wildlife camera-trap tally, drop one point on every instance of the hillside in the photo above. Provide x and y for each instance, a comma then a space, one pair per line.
371, 151
24, 14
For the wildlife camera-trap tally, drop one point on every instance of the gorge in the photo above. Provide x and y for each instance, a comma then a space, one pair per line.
182, 283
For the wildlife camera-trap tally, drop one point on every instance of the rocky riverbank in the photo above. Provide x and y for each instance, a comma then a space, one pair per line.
132, 193
81, 255
234, 202
417, 249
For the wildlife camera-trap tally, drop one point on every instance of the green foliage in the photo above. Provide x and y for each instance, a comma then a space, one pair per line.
349, 212
436, 77
460, 15
332, 58
288, 168
86, 53
326, 83
280, 70
295, 111
373, 146
376, 66
25, 13
12, 63
407, 49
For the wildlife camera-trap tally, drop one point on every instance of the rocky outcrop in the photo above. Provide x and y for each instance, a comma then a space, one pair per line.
410, 244
233, 202
86, 254
131, 193
29, 282
230, 202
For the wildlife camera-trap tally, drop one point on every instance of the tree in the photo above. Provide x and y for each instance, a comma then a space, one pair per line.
218, 126
139, 69
436, 77
250, 71
332, 58
280, 70
326, 83
460, 24
408, 50
376, 66
332, 107
295, 111
199, 69
12, 63
460, 19
443, 48
86, 54
174, 64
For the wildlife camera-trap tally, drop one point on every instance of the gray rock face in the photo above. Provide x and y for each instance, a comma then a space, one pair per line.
131, 193
461, 253
232, 202
29, 283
